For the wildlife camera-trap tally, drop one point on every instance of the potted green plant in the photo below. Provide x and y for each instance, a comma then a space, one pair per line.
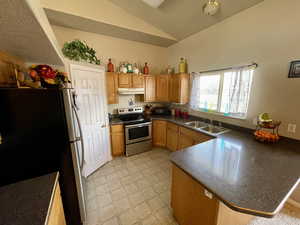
79, 51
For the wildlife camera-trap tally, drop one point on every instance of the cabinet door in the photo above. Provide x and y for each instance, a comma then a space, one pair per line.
162, 88
149, 83
159, 133
117, 140
112, 88
185, 141
190, 204
137, 81
172, 139
184, 88
200, 138
174, 89
125, 80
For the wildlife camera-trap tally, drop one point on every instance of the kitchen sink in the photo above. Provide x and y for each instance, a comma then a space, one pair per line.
214, 130
201, 126
196, 124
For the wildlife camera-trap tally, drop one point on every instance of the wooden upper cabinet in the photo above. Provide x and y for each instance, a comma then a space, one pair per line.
159, 133
162, 88
179, 90
137, 81
112, 88
150, 86
125, 80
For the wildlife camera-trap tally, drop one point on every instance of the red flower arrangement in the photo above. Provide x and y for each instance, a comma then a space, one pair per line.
48, 76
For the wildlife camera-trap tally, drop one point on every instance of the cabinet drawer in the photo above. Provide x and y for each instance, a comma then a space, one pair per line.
117, 128
172, 126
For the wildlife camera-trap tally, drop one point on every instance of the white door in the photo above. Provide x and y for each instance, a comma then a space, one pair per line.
90, 87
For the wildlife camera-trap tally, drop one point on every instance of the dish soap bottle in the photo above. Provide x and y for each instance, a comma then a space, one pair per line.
182, 66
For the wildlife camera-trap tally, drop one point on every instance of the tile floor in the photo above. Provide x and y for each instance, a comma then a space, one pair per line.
132, 191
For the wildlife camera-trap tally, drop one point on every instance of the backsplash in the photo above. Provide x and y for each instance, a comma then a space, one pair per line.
126, 101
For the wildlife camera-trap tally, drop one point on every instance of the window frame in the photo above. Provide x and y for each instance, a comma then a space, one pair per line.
218, 112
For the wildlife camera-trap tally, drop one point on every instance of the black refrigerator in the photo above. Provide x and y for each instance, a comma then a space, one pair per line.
40, 133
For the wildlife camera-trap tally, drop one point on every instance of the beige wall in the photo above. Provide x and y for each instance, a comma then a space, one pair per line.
119, 50
267, 34
106, 12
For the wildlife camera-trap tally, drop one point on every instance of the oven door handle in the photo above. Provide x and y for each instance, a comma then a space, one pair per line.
138, 125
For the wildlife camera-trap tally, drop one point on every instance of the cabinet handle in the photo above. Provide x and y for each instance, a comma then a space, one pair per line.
102, 126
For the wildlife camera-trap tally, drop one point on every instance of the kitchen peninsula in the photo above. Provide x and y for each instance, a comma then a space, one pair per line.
227, 178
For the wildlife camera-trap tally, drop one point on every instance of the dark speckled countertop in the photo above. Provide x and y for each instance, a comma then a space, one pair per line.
27, 202
246, 175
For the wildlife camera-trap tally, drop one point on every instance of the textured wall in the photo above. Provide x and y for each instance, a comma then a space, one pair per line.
264, 34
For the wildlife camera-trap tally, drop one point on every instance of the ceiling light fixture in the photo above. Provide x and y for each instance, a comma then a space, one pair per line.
153, 3
211, 7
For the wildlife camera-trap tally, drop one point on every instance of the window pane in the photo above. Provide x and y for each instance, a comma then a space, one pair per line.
236, 91
209, 91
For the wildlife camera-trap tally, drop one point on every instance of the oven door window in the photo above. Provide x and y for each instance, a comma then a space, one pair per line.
138, 132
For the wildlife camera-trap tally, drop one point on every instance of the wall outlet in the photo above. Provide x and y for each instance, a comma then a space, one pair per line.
291, 128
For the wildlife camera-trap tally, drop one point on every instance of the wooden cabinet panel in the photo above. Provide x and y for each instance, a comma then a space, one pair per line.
56, 213
112, 88
172, 139
150, 86
179, 91
173, 126
159, 133
188, 137
162, 88
185, 141
202, 138
137, 81
174, 88
125, 80
117, 140
190, 204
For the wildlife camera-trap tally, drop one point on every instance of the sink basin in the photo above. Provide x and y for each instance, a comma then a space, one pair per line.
196, 124
214, 130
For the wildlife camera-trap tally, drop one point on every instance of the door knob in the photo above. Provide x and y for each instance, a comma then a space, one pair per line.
102, 126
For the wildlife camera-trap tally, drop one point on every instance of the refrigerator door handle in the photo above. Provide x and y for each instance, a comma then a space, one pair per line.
81, 135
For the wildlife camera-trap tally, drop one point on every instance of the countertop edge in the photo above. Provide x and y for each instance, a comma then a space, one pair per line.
52, 197
241, 209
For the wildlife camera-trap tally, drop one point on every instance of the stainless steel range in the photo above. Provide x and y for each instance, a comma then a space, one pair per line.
138, 130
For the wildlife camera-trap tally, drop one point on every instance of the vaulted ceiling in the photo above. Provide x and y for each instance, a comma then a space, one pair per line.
182, 18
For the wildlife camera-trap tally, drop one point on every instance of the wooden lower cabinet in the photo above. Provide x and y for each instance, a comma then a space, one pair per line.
159, 133
185, 141
189, 203
188, 138
117, 140
172, 140
56, 213
191, 206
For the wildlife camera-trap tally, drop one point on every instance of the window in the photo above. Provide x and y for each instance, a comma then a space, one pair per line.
225, 92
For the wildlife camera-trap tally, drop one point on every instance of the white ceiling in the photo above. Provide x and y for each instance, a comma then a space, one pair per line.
23, 36
182, 18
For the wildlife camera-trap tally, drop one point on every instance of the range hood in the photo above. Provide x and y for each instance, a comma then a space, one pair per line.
131, 91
